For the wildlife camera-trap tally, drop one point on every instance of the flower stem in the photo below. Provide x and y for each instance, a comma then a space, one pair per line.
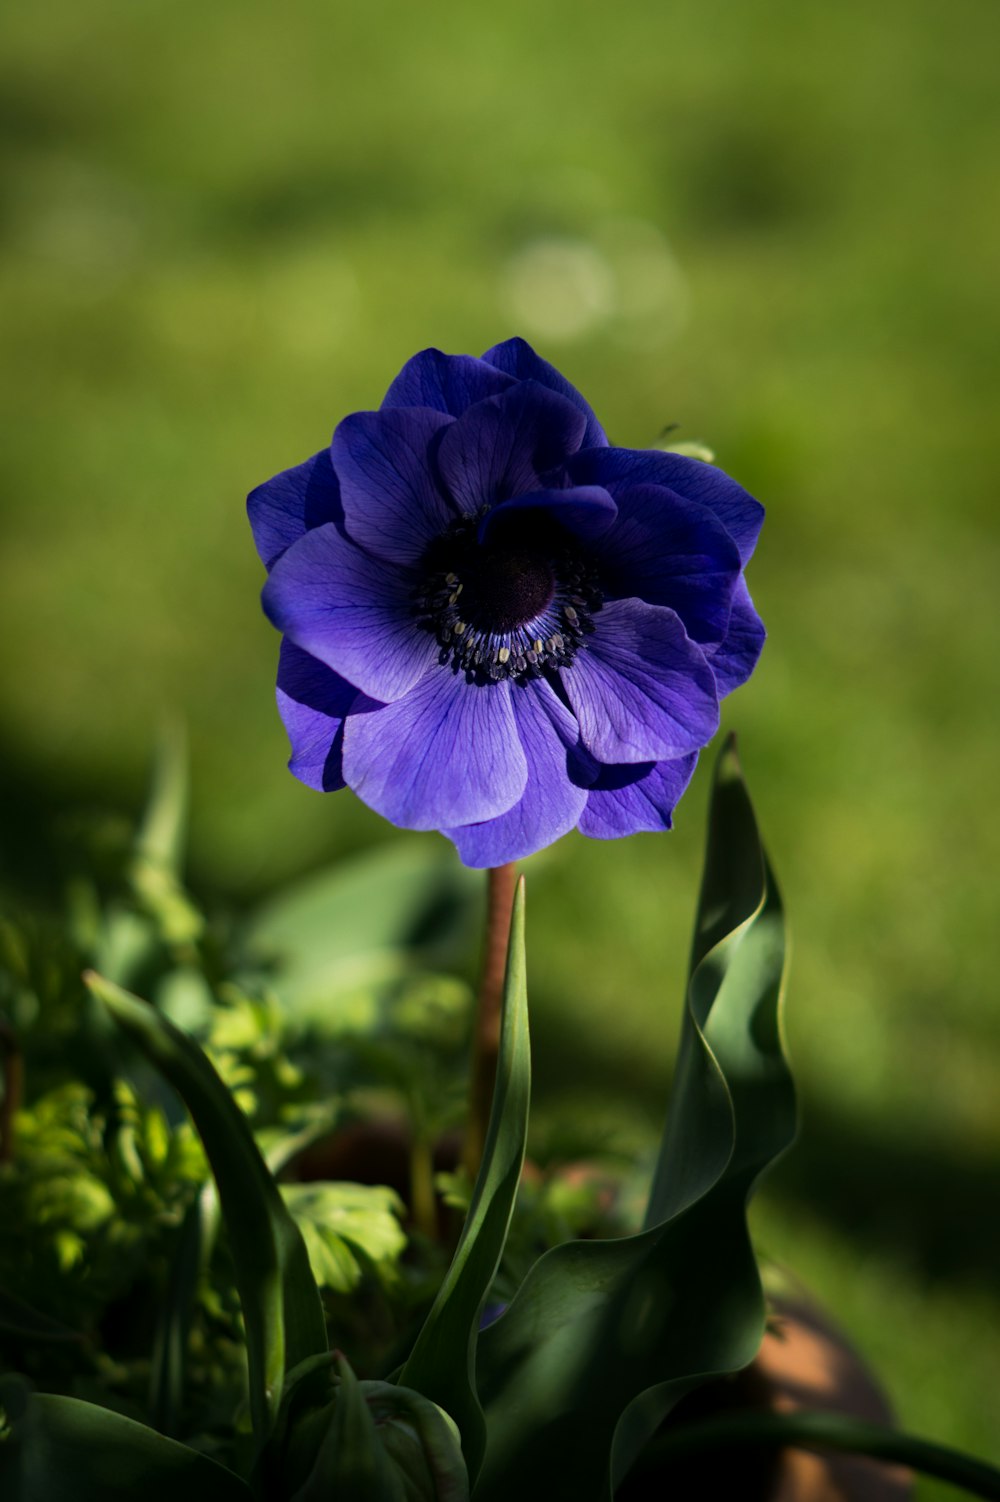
422, 1203
501, 881
827, 1431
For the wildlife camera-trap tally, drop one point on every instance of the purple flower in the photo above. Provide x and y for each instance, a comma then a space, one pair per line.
496, 624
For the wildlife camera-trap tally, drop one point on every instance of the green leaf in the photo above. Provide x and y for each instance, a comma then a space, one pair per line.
417, 1452
367, 923
281, 1305
166, 1384
163, 833
63, 1450
344, 1226
157, 864
350, 1463
603, 1337
443, 1361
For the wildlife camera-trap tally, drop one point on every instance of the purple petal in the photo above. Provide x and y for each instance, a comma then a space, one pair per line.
448, 383
628, 800
392, 503
447, 754
313, 702
640, 688
502, 446
738, 512
587, 511
735, 658
351, 611
517, 358
550, 804
673, 552
293, 502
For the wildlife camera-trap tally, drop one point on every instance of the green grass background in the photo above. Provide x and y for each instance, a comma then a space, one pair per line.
225, 225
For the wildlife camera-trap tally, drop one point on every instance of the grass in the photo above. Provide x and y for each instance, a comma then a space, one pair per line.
223, 228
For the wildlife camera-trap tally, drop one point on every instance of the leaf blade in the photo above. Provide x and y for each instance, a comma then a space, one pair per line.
608, 1333
64, 1450
281, 1304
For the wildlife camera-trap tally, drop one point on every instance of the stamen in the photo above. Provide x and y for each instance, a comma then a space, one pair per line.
529, 595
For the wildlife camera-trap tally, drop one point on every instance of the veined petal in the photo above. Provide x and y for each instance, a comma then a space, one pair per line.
735, 658
351, 611
517, 358
448, 383
313, 703
669, 551
587, 511
392, 504
641, 690
282, 509
550, 804
738, 512
502, 446
630, 799
446, 754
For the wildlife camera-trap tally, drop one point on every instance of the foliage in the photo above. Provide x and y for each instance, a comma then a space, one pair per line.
509, 1368
117, 1264
584, 1337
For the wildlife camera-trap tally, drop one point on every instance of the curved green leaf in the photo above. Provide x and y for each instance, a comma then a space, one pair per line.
63, 1450
281, 1304
603, 1334
442, 1362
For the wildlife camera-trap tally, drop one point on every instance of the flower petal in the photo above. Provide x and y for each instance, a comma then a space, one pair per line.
282, 509
738, 512
640, 688
351, 611
446, 754
587, 511
313, 702
550, 804
448, 383
517, 358
669, 551
735, 658
392, 503
627, 800
502, 446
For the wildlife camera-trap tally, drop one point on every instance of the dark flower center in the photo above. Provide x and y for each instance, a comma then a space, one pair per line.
506, 587
515, 606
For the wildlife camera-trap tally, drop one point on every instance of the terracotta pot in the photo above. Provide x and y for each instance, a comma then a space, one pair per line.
805, 1362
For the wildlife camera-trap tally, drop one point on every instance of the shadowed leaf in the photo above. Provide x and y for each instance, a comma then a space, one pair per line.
63, 1450
281, 1305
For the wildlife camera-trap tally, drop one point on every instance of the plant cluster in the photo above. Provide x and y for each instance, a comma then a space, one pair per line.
500, 626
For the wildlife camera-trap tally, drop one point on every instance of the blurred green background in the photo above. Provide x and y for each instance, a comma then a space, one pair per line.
226, 225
